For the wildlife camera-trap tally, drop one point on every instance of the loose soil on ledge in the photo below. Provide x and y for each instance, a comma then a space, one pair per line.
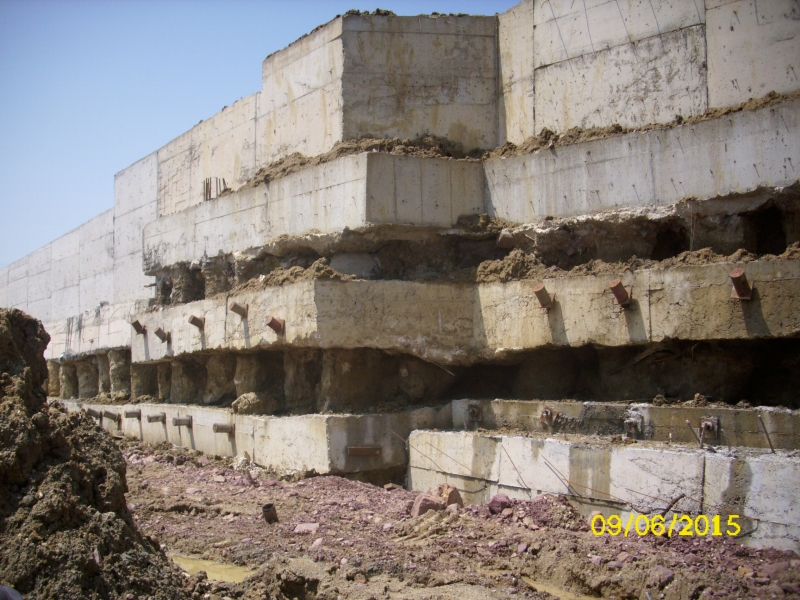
343, 539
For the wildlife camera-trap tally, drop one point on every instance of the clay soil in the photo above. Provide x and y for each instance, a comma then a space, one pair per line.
337, 538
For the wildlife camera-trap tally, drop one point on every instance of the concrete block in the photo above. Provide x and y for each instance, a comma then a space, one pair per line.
18, 270
96, 289
516, 62
129, 281
66, 246
39, 260
703, 160
567, 30
649, 81
221, 147
136, 186
17, 293
65, 302
128, 229
753, 48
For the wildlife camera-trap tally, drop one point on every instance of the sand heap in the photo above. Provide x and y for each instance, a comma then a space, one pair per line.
65, 529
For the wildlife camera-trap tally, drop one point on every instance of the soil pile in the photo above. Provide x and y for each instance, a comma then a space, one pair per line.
65, 529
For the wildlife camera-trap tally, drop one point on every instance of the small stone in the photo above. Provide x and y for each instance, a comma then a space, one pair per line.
498, 503
317, 543
449, 494
424, 503
774, 569
661, 576
507, 512
624, 557
219, 478
521, 548
614, 564
192, 491
452, 509
391, 486
388, 526
306, 528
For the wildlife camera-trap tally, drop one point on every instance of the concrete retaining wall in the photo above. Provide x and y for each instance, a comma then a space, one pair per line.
615, 478
735, 154
737, 426
461, 323
284, 444
349, 192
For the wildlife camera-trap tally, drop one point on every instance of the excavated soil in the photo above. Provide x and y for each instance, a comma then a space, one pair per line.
320, 269
521, 265
577, 135
65, 529
337, 538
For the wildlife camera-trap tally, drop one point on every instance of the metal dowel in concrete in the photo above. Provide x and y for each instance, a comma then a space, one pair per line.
239, 309
228, 428
766, 433
159, 418
162, 335
741, 287
199, 322
93, 413
546, 300
138, 327
112, 416
275, 324
133, 414
694, 433
182, 421
622, 295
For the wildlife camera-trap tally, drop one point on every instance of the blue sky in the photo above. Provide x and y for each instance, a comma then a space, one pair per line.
89, 87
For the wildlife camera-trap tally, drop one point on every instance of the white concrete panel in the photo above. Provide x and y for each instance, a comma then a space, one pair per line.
97, 246
39, 260
128, 229
39, 286
136, 186
17, 293
40, 309
584, 28
130, 280
4, 287
734, 154
515, 47
753, 48
222, 147
65, 301
65, 272
18, 269
66, 246
649, 81
95, 289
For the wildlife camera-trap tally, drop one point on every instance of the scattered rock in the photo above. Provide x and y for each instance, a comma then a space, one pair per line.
306, 528
661, 576
253, 403
498, 503
424, 503
449, 494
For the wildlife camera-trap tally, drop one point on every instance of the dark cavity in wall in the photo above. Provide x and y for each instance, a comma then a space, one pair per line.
764, 231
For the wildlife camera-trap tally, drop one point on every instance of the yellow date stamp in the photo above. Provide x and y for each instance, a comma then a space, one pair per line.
681, 525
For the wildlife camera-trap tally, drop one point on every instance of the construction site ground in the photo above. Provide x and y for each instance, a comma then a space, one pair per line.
337, 538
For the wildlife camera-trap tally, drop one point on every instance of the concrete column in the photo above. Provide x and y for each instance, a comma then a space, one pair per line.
144, 380
188, 382
164, 381
119, 371
68, 381
88, 380
103, 374
220, 369
53, 379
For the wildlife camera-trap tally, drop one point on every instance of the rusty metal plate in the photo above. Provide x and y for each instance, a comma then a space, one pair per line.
363, 451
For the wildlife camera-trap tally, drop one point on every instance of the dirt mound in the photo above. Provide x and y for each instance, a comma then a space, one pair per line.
65, 529
281, 276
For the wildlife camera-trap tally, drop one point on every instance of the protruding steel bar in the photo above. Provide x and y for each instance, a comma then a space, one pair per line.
621, 294
239, 309
741, 287
162, 335
133, 414
228, 428
766, 433
199, 322
275, 324
138, 327
694, 433
159, 418
546, 300
182, 421
112, 416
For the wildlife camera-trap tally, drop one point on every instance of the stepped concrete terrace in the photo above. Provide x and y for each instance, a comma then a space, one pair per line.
588, 210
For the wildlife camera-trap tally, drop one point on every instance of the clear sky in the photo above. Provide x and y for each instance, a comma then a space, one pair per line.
88, 87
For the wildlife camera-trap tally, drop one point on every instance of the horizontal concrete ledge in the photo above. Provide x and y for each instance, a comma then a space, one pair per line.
300, 444
466, 323
734, 427
734, 154
346, 193
618, 479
